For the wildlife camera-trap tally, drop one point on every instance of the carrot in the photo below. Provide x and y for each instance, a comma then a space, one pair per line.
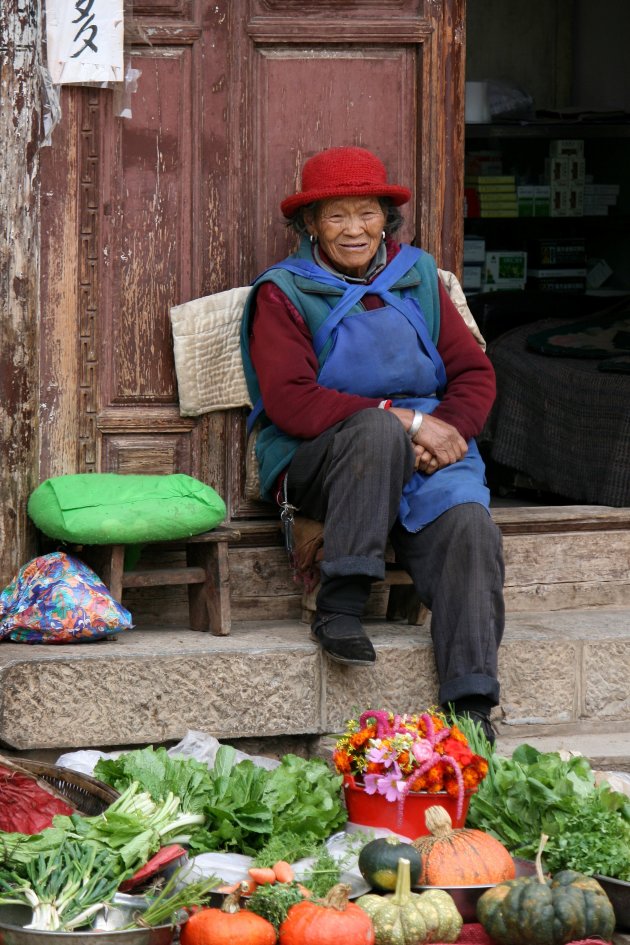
307, 893
227, 890
284, 871
263, 875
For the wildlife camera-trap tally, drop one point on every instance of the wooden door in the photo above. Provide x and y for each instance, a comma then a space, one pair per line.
182, 198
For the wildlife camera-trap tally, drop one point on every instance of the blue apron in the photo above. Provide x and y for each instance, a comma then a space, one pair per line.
377, 352
382, 352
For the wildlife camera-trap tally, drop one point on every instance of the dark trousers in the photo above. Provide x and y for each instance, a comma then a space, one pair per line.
351, 479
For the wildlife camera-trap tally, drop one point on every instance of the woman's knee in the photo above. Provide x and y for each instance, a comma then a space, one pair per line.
472, 524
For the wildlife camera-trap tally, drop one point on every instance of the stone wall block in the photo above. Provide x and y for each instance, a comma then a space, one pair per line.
403, 678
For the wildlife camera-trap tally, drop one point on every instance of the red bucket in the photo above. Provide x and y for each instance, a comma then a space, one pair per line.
374, 810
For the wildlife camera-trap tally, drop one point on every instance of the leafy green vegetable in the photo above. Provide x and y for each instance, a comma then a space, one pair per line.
272, 901
537, 792
243, 805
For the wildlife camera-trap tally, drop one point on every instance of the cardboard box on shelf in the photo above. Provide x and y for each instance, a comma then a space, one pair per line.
484, 162
474, 249
558, 200
557, 170
505, 269
471, 277
542, 200
566, 146
561, 252
525, 198
576, 200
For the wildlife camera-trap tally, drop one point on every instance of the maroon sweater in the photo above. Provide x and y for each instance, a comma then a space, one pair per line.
286, 365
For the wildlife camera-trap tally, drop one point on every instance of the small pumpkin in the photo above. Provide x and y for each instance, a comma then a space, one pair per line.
537, 910
229, 925
406, 918
460, 857
327, 921
378, 862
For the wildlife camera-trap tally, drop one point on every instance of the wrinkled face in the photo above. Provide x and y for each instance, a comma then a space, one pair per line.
349, 230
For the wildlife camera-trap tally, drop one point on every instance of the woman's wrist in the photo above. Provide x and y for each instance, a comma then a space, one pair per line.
416, 423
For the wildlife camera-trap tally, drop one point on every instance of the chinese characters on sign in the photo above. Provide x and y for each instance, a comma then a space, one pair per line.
85, 40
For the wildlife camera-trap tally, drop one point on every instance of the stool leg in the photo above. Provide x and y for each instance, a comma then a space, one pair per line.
114, 571
209, 603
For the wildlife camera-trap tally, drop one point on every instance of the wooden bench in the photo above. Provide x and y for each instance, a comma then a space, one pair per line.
206, 573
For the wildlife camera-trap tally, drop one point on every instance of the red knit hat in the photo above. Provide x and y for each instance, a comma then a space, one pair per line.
343, 172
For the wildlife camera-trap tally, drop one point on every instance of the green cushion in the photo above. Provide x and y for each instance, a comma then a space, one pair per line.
108, 508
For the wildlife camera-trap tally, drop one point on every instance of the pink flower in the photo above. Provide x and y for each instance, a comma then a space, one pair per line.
381, 755
422, 750
391, 785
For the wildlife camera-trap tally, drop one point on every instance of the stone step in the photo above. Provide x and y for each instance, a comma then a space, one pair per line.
563, 673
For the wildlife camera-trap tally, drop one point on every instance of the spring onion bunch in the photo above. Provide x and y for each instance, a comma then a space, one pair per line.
69, 871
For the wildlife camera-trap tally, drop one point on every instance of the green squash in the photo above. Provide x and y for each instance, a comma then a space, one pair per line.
406, 918
378, 862
534, 910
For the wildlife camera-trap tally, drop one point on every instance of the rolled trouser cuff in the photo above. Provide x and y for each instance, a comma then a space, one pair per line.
354, 565
473, 684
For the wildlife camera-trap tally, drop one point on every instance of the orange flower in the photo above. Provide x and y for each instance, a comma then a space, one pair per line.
373, 767
342, 761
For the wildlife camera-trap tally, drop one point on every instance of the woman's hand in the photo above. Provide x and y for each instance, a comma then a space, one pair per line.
441, 441
425, 461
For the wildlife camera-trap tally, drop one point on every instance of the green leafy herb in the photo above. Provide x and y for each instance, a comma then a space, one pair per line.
286, 846
323, 874
537, 792
272, 901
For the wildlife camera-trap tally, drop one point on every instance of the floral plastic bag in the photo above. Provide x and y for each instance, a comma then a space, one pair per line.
57, 599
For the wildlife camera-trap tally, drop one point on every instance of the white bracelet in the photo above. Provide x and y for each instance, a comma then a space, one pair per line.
416, 423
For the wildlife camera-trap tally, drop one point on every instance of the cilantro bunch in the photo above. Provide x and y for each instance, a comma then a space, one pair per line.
537, 792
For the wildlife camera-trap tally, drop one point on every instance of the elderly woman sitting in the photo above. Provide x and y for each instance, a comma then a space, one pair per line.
370, 388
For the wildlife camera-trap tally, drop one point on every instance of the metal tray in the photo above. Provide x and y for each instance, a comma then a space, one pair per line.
14, 918
618, 891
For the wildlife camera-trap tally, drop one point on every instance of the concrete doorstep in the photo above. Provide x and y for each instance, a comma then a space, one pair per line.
563, 675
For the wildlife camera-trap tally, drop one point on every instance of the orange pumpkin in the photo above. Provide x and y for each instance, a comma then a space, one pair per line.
461, 857
328, 921
229, 925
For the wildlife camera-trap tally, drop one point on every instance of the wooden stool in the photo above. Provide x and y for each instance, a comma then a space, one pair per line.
207, 575
402, 602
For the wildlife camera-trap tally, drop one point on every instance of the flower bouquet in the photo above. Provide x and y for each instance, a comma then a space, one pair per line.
399, 757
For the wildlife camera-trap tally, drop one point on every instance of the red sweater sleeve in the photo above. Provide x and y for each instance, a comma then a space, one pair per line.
471, 386
286, 366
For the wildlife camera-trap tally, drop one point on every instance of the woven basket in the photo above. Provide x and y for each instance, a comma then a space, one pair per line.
88, 795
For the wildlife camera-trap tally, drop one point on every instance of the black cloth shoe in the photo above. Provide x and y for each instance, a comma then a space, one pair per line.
484, 721
342, 636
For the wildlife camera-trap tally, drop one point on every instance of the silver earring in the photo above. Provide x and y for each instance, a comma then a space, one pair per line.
383, 235
313, 238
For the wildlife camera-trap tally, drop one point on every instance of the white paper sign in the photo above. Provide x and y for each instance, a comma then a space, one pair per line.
85, 40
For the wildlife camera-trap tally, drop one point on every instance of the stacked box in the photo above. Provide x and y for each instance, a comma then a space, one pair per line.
505, 270
557, 264
542, 200
565, 174
474, 258
598, 198
525, 196
491, 195
483, 162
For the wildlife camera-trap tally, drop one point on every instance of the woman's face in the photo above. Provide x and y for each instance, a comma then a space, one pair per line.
349, 230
